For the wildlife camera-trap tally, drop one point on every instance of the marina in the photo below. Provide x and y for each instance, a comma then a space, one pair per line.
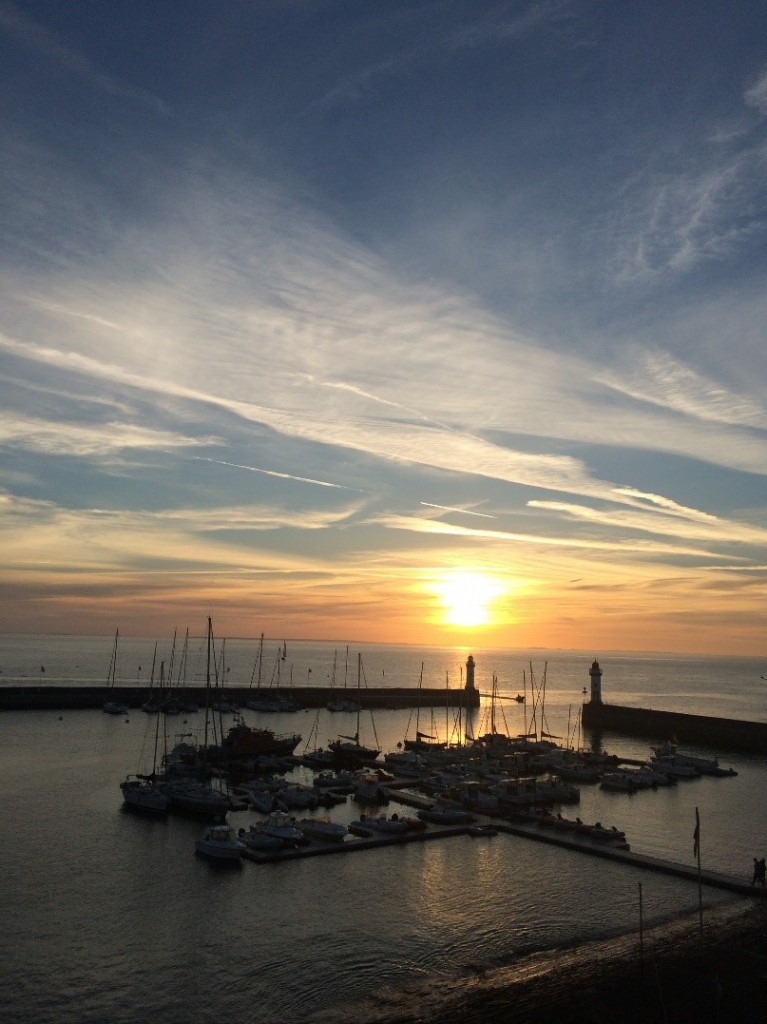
369, 925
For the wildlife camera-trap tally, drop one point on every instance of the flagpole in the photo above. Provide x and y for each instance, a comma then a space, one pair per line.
696, 848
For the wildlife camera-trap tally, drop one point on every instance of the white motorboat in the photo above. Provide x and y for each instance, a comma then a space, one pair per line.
323, 829
282, 827
670, 750
219, 842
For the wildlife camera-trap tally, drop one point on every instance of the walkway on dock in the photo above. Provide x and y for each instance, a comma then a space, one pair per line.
714, 879
595, 848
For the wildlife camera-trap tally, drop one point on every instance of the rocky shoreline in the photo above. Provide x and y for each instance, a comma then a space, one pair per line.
679, 976
682, 977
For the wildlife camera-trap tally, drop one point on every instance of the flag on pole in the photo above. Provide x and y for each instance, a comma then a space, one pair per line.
696, 835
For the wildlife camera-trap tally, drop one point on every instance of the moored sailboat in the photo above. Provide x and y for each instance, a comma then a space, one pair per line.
145, 793
195, 795
114, 707
347, 750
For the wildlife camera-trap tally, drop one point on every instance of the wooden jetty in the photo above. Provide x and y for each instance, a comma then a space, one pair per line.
714, 879
580, 844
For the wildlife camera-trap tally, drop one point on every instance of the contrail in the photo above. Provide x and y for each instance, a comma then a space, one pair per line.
465, 511
270, 472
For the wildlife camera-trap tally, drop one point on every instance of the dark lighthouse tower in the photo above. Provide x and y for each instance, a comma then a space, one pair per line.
471, 692
470, 674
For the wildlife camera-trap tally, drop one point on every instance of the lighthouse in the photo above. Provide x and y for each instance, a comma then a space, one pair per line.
596, 683
470, 674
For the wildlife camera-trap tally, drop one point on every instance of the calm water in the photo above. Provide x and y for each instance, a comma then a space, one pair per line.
109, 917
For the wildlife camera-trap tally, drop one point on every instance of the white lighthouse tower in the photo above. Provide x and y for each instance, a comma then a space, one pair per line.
596, 683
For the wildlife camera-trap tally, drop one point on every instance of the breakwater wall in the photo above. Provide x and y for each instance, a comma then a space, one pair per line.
727, 734
60, 698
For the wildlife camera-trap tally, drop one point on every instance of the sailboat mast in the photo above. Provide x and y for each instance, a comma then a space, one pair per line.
172, 659
184, 656
113, 662
207, 686
154, 660
447, 707
257, 663
524, 702
260, 658
359, 685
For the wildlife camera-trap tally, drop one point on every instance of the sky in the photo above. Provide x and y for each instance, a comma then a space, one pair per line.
408, 321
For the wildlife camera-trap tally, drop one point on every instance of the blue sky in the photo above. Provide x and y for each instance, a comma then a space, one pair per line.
399, 321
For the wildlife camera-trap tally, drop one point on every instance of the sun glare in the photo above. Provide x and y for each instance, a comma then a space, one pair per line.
467, 598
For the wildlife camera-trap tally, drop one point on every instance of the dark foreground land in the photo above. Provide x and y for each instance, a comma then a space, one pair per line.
678, 977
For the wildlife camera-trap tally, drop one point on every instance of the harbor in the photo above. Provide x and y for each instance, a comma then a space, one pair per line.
396, 922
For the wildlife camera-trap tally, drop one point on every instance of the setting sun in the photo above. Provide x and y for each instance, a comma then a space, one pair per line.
467, 598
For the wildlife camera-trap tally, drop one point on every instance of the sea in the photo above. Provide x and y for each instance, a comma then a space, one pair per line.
110, 917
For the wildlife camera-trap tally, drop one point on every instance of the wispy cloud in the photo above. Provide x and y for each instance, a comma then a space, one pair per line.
661, 379
44, 43
576, 543
43, 533
687, 527
431, 39
88, 441
672, 223
756, 94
